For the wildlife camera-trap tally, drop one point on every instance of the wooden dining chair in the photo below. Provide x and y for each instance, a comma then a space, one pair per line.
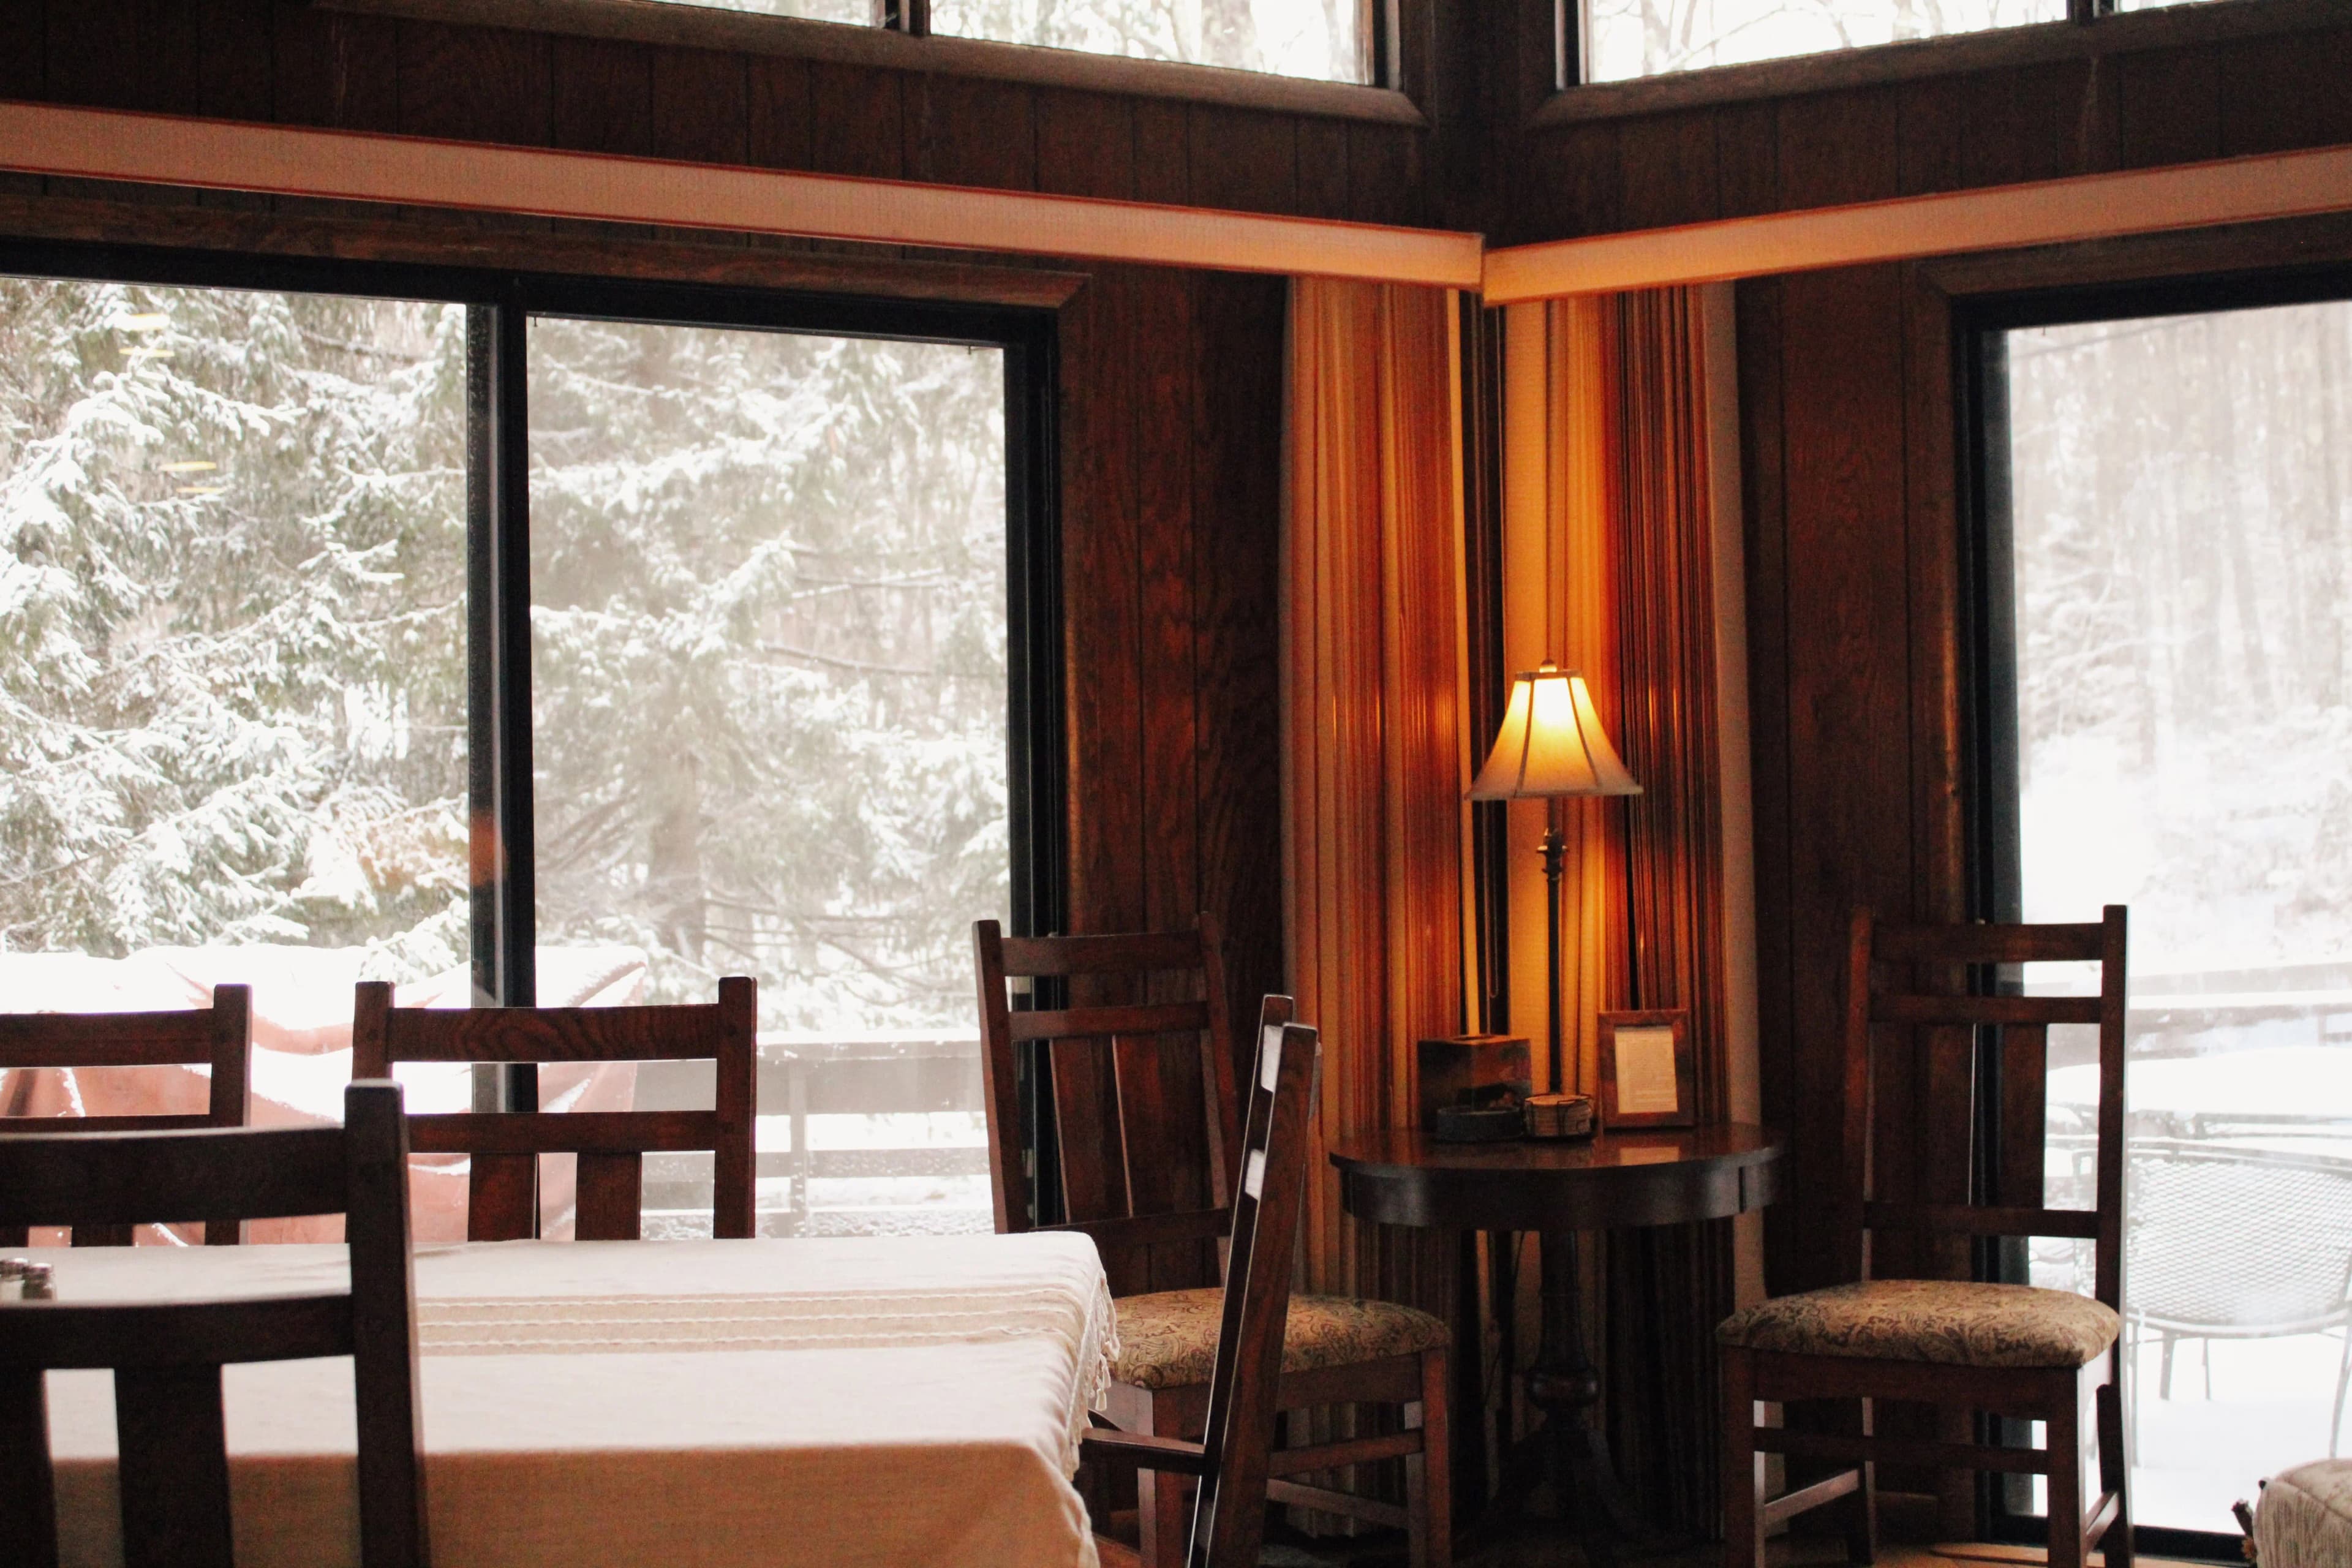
502, 1192
1151, 1180
219, 1038
1230, 1463
166, 1356
2009, 1350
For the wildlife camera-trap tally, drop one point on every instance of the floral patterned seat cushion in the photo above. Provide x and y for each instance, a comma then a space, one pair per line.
1953, 1322
2305, 1520
1169, 1339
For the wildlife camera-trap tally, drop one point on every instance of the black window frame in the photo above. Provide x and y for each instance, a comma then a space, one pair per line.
1994, 870
500, 305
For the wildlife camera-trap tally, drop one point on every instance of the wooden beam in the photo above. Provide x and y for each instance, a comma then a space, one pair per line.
215, 155
2046, 212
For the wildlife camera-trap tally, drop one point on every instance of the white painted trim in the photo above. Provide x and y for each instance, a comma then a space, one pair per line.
169, 150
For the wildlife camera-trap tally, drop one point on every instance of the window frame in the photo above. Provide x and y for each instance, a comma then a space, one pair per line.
1991, 793
499, 304
1568, 99
1397, 94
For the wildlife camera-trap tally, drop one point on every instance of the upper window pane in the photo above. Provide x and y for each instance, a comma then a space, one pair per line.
1625, 40
1316, 38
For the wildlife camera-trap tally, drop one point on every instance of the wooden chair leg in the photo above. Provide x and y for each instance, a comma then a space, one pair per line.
1429, 1474
2062, 1424
1742, 1471
1163, 1500
1862, 1507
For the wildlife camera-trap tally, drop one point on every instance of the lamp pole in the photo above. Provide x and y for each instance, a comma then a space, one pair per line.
1555, 855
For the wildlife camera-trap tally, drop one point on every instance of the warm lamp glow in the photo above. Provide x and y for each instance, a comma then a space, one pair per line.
1551, 743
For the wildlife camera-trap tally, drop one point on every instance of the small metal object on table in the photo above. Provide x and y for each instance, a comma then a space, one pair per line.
1559, 1188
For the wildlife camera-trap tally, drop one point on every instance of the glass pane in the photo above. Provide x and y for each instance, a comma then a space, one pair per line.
233, 652
2183, 518
860, 11
1317, 38
1624, 39
768, 581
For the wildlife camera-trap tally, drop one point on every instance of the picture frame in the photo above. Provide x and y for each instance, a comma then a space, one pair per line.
1648, 1075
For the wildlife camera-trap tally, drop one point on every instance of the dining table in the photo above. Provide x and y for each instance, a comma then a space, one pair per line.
882, 1401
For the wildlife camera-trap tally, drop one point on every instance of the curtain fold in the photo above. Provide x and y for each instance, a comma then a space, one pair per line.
1375, 753
1610, 401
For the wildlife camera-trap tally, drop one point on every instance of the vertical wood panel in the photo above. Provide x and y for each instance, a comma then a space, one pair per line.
335, 68
1847, 675
94, 53
233, 70
1163, 151
2168, 107
964, 130
1243, 159
854, 122
2285, 91
24, 52
781, 113
1838, 147
1322, 154
701, 106
475, 84
603, 93
1384, 176
1238, 334
1668, 171
1747, 159
1085, 144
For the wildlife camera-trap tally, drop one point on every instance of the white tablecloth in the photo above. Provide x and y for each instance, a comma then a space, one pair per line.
660, 1405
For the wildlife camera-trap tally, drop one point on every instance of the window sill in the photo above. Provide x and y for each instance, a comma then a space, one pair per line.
2198, 22
693, 26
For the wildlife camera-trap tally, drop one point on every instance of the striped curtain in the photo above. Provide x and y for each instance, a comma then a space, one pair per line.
1614, 506
1374, 746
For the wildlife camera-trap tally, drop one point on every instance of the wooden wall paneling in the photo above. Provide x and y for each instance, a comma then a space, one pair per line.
24, 52
2040, 122
1838, 147
1569, 183
93, 55
1932, 473
1668, 171
1163, 151
475, 84
1101, 593
783, 113
603, 95
2168, 107
169, 65
1847, 674
2286, 91
1237, 348
1163, 1078
1933, 127
335, 68
1085, 144
1384, 176
1243, 159
1763, 506
1323, 179
856, 124
701, 106
966, 131
233, 60
1747, 159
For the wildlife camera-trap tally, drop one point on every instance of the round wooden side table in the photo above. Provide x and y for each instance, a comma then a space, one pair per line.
1558, 1189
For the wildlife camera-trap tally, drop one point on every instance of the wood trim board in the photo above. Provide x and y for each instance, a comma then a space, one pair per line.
217, 154
2047, 212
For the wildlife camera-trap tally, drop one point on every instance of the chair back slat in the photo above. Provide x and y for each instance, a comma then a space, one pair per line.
502, 1180
1229, 1513
219, 1038
1908, 1002
167, 1356
1133, 1034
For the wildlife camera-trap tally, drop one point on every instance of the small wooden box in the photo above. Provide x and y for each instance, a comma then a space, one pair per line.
1472, 1070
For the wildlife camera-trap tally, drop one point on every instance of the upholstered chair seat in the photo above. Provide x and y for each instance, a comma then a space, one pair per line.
1169, 1339
2305, 1520
1942, 1321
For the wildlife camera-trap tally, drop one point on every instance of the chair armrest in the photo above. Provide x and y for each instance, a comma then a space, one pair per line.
1149, 1452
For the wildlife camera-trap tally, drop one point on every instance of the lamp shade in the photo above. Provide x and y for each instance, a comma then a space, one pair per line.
1551, 744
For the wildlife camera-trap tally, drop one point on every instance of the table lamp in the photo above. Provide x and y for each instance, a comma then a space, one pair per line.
1551, 746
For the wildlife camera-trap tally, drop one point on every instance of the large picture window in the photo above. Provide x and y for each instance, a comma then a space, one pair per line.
532, 641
